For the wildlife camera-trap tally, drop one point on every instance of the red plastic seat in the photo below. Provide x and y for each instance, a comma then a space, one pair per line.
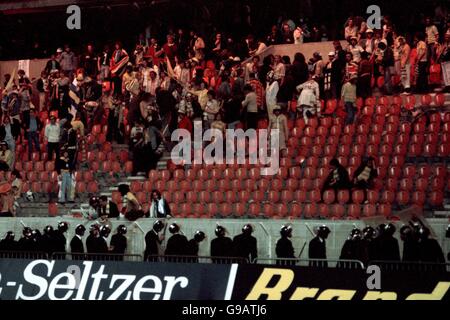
287, 196
372, 196
80, 187
369, 210
358, 196
277, 184
387, 196
225, 209
436, 198
343, 196
191, 197
385, 210
300, 196
418, 198
392, 183
239, 209
310, 210
92, 187
337, 211
354, 211
406, 184
329, 196
402, 197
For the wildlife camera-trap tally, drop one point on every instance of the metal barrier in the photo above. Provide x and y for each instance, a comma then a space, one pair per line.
23, 255
96, 256
317, 263
411, 266
196, 259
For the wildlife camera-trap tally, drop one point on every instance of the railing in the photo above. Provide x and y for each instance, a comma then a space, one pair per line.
196, 259
318, 263
414, 266
23, 255
97, 256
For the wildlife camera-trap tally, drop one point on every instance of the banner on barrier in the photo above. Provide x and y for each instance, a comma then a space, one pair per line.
96, 280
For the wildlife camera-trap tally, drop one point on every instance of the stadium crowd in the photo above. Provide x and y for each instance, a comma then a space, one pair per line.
145, 93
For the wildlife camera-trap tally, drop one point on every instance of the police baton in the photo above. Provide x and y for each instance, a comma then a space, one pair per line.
23, 224
310, 230
301, 251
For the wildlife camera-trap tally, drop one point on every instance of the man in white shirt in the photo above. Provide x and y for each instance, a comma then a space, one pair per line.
159, 207
271, 92
355, 49
252, 107
52, 134
279, 69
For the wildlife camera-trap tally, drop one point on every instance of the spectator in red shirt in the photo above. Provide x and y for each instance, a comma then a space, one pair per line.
170, 49
258, 89
184, 122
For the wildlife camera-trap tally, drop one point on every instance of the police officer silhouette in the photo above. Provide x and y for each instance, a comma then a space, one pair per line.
221, 246
152, 241
284, 248
245, 245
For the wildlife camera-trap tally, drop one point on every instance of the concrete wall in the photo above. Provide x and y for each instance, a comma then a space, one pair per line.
36, 66
306, 48
266, 231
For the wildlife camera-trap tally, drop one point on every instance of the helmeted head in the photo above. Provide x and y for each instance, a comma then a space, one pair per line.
10, 236
247, 229
158, 225
355, 234
424, 233
27, 232
405, 232
174, 228
105, 231
63, 226
447, 233
94, 229
36, 234
368, 233
122, 229
199, 236
48, 230
389, 229
80, 230
286, 231
220, 231
323, 231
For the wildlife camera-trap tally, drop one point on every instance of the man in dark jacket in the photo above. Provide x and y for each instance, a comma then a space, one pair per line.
152, 242
337, 179
60, 239
364, 175
387, 63
389, 249
176, 245
429, 249
32, 127
76, 244
317, 248
221, 246
107, 209
193, 246
245, 245
353, 249
118, 242
284, 248
410, 244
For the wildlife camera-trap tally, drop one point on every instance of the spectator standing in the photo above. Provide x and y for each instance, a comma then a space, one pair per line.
52, 133
405, 64
67, 61
422, 64
32, 129
65, 169
250, 107
349, 97
308, 101
42, 86
432, 39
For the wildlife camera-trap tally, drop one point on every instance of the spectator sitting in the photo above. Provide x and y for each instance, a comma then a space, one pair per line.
107, 209
132, 209
159, 207
364, 175
6, 157
337, 179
